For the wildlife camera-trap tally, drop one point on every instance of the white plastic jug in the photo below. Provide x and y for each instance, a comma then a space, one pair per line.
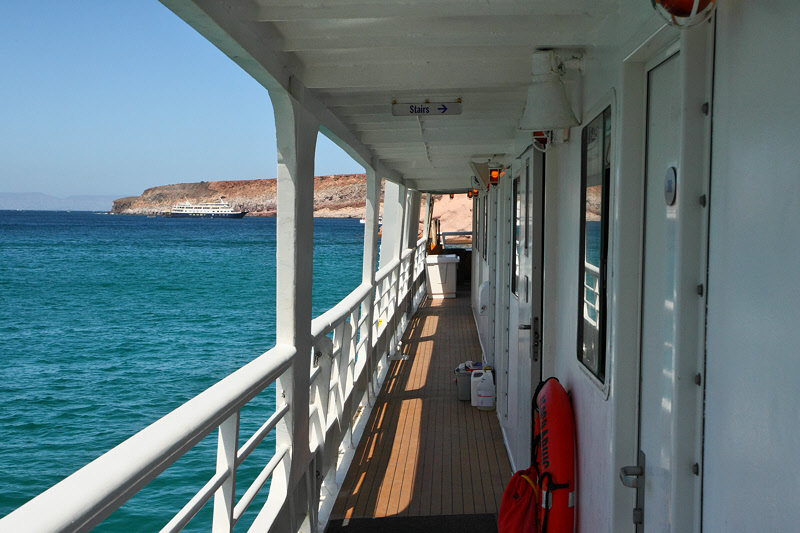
486, 392
474, 379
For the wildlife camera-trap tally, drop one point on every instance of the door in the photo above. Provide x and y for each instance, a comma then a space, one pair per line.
672, 306
658, 289
525, 299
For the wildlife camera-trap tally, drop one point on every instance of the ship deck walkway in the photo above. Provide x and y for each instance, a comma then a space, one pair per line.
423, 452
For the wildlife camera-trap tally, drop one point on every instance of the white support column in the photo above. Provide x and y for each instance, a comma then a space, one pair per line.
394, 204
412, 232
410, 241
394, 219
371, 214
296, 132
428, 213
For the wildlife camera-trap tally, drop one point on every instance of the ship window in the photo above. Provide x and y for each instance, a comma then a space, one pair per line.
478, 214
485, 224
515, 235
595, 179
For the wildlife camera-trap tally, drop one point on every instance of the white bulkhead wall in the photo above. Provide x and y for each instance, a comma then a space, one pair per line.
752, 425
592, 402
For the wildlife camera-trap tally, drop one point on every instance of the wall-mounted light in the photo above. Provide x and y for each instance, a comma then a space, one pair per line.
469, 194
547, 106
452, 196
495, 173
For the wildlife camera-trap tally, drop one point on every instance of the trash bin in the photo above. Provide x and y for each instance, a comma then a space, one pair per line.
441, 275
464, 379
464, 384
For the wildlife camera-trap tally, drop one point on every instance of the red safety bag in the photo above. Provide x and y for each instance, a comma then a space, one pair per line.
518, 508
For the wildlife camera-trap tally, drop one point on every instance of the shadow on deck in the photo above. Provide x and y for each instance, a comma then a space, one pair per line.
423, 452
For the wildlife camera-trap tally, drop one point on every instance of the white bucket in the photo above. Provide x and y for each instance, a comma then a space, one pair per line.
486, 392
476, 377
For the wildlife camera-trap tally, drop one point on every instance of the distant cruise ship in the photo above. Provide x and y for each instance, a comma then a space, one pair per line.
218, 209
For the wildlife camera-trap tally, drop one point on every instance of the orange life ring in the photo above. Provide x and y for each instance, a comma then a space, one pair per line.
682, 8
554, 456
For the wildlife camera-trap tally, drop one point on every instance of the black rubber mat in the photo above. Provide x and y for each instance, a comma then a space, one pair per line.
478, 523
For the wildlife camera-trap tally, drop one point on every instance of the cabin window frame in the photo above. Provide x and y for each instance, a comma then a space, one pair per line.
516, 234
596, 365
484, 245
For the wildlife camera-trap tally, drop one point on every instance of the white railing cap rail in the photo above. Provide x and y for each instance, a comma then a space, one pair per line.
85, 498
407, 253
591, 269
422, 241
325, 322
386, 270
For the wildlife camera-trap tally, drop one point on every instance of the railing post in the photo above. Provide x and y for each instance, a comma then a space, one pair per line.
324, 350
296, 133
224, 499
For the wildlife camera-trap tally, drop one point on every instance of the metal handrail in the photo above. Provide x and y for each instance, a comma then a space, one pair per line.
88, 496
324, 323
84, 499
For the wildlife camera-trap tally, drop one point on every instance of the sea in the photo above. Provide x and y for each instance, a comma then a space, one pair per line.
109, 322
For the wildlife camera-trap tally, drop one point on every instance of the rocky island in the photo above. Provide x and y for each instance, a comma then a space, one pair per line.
336, 196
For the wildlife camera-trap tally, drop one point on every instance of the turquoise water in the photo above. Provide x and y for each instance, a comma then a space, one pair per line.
108, 323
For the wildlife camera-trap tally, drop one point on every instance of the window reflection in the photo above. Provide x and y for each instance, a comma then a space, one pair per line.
515, 220
595, 178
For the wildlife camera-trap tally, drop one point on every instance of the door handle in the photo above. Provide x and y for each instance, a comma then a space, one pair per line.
632, 476
524, 326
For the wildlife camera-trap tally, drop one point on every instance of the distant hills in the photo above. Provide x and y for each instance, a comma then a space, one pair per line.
35, 201
336, 196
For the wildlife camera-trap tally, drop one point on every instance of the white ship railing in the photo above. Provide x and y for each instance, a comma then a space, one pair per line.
591, 294
351, 341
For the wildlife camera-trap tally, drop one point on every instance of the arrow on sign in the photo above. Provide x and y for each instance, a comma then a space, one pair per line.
443, 108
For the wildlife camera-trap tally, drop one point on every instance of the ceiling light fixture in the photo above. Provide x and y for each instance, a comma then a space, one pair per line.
548, 107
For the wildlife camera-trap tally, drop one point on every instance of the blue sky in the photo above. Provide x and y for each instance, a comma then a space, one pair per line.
113, 97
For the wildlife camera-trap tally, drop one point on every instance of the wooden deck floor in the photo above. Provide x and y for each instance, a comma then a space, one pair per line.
424, 453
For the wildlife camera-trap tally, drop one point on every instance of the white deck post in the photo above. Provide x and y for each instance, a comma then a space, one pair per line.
371, 214
296, 132
428, 213
410, 241
394, 203
394, 214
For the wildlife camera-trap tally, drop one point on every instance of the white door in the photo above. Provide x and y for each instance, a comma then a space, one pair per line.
670, 398
658, 289
525, 300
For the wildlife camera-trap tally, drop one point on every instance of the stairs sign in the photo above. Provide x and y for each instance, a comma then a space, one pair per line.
427, 109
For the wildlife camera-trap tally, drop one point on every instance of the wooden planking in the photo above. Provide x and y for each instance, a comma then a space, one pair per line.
424, 453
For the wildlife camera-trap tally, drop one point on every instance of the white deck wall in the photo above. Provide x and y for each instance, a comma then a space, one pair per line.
752, 436
751, 418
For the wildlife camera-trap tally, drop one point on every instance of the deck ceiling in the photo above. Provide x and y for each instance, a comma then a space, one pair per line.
350, 59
